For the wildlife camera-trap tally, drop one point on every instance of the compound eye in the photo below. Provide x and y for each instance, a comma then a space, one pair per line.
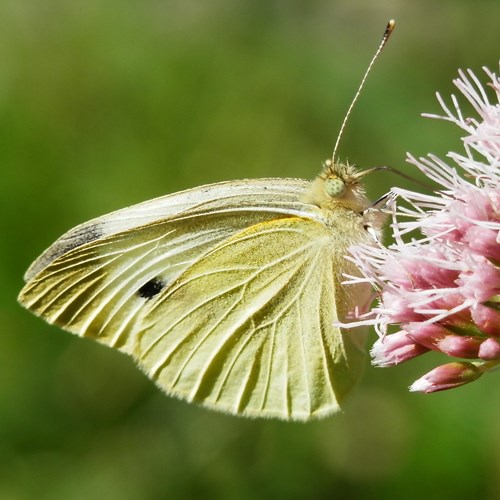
335, 187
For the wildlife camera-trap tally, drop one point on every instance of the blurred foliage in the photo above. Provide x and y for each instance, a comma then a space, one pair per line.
104, 104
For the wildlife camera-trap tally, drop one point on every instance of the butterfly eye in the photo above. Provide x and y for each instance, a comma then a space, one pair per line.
335, 187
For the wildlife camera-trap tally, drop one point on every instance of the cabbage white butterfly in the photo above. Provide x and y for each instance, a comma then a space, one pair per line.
225, 294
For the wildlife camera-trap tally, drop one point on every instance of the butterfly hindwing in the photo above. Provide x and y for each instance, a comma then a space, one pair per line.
249, 328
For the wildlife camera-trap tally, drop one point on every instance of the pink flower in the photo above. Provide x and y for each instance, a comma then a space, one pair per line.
440, 279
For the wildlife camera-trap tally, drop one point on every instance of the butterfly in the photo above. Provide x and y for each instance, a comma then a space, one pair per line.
228, 295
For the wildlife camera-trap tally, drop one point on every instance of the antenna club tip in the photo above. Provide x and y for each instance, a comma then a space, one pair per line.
390, 26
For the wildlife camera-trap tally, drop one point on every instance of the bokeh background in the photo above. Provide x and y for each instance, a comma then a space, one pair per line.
107, 103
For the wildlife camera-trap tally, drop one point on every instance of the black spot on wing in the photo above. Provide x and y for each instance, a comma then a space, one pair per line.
151, 288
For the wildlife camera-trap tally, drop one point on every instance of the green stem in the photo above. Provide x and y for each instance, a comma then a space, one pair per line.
486, 366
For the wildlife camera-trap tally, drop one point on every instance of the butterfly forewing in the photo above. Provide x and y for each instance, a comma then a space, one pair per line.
260, 195
99, 288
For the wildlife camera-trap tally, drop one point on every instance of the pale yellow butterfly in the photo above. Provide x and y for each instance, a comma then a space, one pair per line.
226, 294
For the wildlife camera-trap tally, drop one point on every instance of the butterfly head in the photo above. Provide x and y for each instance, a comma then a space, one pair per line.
338, 185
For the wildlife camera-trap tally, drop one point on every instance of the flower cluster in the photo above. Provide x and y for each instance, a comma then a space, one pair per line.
440, 280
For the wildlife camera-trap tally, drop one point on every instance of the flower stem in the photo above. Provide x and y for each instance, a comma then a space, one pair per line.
487, 366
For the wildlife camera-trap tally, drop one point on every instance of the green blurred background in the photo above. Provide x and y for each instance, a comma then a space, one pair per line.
107, 103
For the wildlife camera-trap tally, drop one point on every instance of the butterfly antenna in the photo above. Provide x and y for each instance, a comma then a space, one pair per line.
388, 30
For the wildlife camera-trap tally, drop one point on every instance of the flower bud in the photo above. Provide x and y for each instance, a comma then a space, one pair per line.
460, 346
446, 377
394, 349
490, 349
483, 241
427, 335
481, 282
487, 319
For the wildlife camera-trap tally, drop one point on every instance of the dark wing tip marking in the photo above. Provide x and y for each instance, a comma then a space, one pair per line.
151, 288
75, 238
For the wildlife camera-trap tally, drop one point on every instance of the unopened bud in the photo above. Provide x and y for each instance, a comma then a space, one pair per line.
487, 319
490, 349
460, 346
446, 377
